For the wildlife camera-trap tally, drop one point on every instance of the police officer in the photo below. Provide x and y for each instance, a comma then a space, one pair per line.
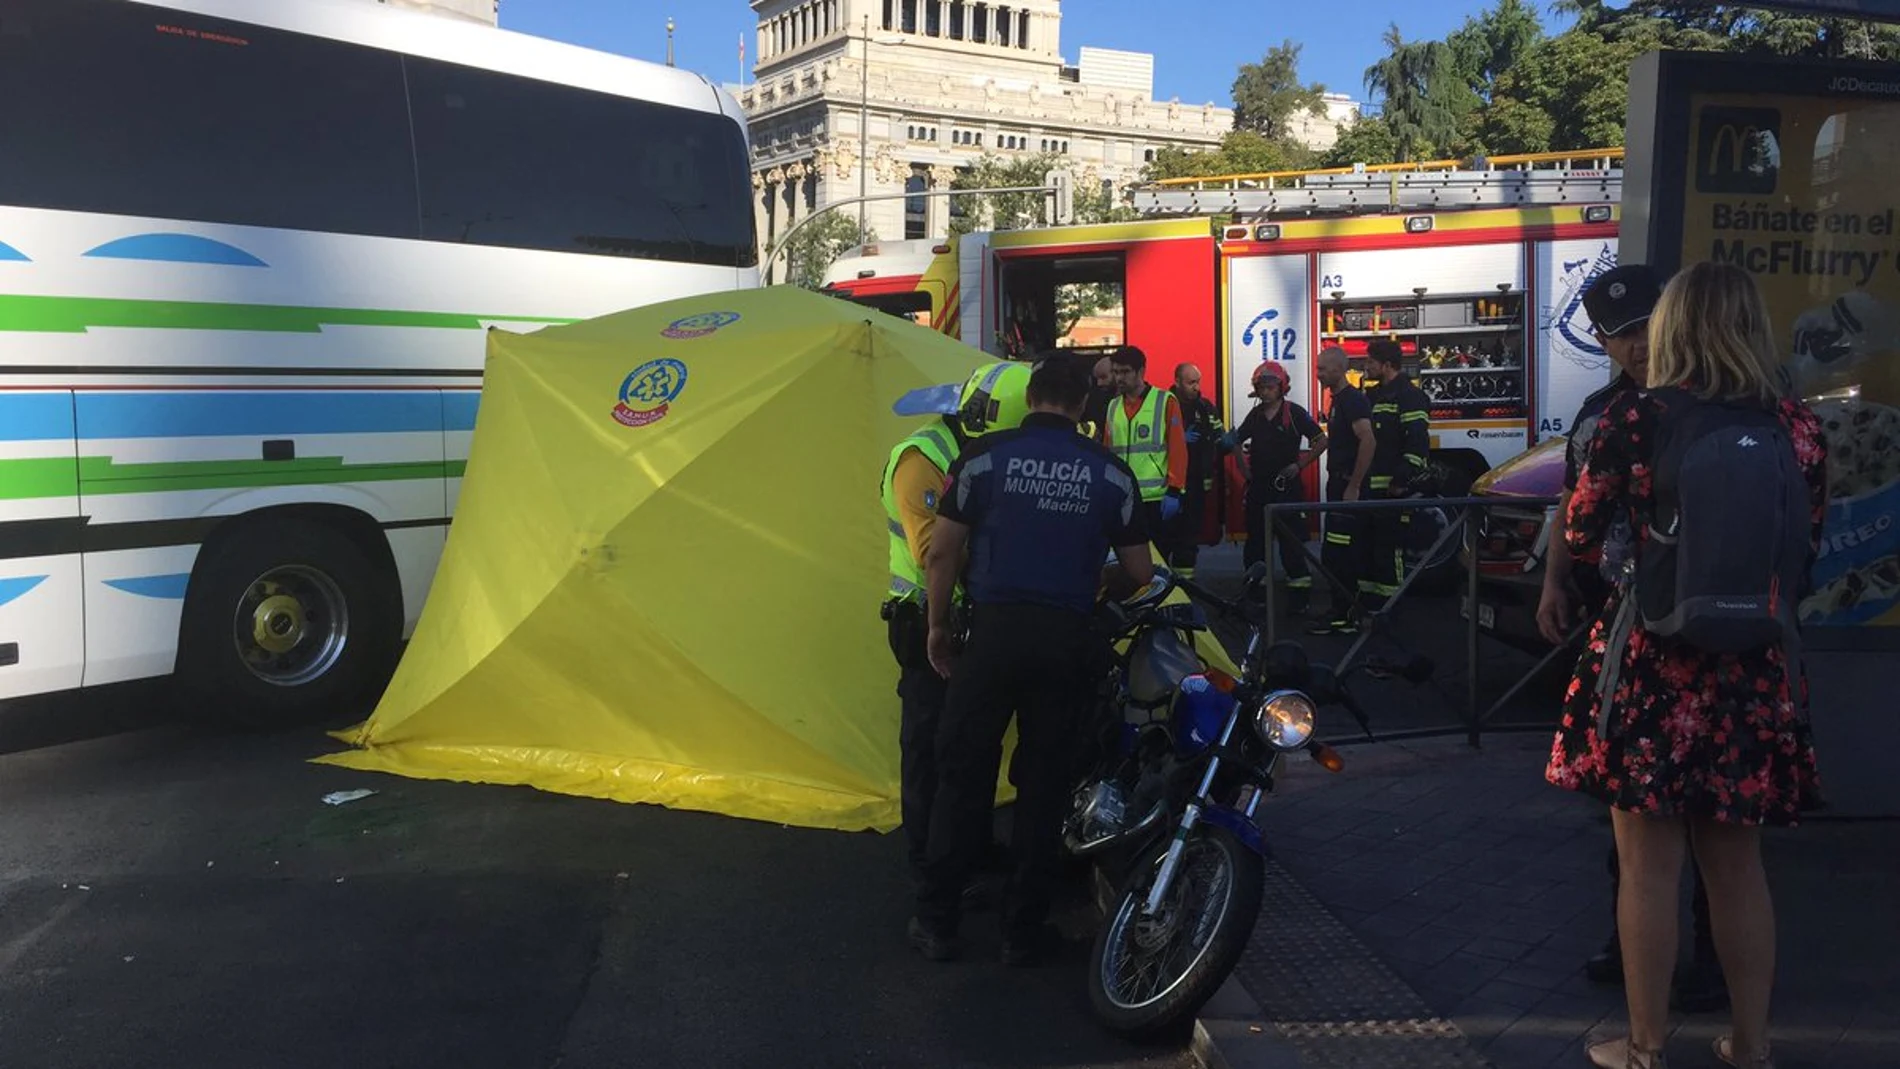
1274, 431
1203, 430
1037, 508
1349, 445
1143, 427
1401, 429
1619, 303
994, 398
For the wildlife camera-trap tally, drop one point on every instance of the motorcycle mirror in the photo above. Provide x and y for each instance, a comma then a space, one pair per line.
1257, 574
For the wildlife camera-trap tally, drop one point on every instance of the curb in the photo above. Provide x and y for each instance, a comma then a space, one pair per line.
1232, 1033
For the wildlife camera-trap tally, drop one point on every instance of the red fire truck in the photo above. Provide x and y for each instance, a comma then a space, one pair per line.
1475, 268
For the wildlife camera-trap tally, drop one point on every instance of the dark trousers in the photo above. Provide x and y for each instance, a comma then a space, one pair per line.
921, 691
1343, 549
1167, 535
1033, 660
1287, 531
1384, 555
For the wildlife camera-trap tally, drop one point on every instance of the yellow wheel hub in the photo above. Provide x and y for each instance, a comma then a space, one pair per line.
278, 622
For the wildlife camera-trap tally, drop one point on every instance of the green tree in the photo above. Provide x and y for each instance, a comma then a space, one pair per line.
1366, 140
1240, 152
1015, 211
813, 250
1269, 94
1416, 83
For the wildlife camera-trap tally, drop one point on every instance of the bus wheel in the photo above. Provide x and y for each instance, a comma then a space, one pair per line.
286, 623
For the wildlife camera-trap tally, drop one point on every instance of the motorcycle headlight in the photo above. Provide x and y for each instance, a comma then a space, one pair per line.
1284, 720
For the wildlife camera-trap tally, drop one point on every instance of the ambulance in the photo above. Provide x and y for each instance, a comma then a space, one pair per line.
1476, 268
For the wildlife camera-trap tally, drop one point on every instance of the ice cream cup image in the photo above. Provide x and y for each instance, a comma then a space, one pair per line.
1857, 574
1833, 340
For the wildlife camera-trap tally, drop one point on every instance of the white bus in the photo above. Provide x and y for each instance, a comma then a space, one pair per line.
248, 252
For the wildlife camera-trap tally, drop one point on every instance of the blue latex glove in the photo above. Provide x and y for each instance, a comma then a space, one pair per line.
1230, 441
1194, 436
1170, 508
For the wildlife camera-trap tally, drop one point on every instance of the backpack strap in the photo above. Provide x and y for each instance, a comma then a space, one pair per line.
1615, 643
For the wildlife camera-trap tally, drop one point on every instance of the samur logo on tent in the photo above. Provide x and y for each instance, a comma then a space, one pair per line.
648, 393
699, 326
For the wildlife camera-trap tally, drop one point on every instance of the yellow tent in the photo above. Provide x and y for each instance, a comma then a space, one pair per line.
663, 578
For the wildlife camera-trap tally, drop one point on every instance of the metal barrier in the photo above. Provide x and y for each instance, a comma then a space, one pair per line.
1467, 510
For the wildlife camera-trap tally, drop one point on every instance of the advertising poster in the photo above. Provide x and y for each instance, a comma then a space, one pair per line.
1797, 186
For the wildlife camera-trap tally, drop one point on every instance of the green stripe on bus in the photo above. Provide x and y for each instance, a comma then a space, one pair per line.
32, 477
76, 315
58, 477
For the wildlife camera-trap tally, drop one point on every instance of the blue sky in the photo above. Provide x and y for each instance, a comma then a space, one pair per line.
1196, 53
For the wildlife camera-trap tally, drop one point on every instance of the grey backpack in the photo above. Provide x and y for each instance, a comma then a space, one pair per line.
1726, 562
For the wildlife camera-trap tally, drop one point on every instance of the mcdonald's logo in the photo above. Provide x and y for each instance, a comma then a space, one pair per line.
1738, 150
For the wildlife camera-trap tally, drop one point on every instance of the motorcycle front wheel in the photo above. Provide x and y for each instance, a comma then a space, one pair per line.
1149, 974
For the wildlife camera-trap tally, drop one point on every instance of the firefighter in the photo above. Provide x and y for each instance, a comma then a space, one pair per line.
1274, 432
1401, 467
994, 398
1349, 446
1203, 437
1144, 428
1038, 509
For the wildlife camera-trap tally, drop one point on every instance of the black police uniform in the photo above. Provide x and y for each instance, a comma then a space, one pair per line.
1044, 505
1343, 549
1273, 443
1401, 431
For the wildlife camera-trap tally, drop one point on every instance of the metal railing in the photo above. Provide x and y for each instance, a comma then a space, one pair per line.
1465, 512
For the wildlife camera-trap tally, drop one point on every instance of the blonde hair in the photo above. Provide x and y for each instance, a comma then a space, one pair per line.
1710, 333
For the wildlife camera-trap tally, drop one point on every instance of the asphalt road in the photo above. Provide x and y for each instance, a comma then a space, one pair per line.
177, 898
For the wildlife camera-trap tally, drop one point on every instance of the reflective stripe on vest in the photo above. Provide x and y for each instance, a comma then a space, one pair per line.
1147, 458
939, 447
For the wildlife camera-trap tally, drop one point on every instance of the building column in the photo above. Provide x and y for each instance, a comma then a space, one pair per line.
937, 209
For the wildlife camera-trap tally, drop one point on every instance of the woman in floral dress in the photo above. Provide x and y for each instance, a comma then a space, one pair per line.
1701, 748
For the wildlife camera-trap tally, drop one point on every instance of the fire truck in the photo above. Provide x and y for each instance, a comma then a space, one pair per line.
1476, 268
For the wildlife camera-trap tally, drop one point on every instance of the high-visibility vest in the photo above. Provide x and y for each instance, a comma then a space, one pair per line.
938, 446
1142, 442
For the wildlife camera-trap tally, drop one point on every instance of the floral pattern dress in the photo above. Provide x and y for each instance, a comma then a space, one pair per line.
1690, 733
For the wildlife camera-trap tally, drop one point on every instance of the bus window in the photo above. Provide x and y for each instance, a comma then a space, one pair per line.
126, 109
514, 162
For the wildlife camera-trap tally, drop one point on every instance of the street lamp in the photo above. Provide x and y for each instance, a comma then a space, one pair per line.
864, 120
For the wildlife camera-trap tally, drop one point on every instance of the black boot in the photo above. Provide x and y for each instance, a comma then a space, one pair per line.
1606, 965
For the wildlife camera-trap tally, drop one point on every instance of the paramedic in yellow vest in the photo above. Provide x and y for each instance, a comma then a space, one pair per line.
1145, 431
994, 398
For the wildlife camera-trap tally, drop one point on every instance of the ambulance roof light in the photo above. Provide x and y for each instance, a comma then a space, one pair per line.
1267, 232
1418, 224
1597, 213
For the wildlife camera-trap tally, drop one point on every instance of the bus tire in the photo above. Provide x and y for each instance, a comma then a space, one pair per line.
287, 621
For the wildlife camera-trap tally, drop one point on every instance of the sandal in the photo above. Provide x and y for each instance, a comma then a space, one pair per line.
1725, 1050
1620, 1053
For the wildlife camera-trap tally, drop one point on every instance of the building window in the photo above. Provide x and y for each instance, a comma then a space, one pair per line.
1022, 33
887, 13
910, 15
933, 18
916, 208
956, 20
1004, 21
1149, 155
980, 33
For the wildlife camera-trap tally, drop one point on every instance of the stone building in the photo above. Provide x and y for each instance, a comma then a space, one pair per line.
941, 83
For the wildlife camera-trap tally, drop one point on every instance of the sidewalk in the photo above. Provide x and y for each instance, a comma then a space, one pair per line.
1454, 897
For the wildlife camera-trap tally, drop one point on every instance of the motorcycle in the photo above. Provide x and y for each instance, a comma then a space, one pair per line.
1187, 753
